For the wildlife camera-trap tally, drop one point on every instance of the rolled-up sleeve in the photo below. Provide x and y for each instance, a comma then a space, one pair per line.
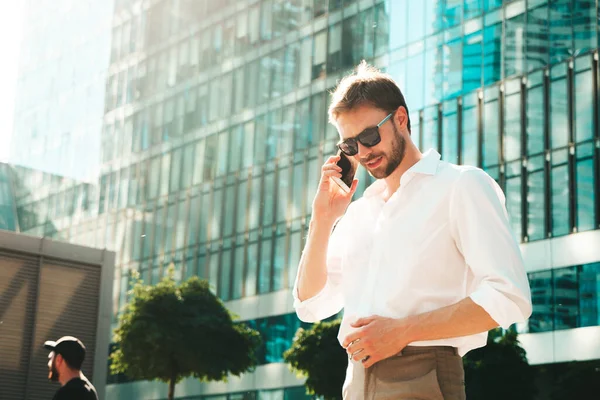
483, 235
329, 301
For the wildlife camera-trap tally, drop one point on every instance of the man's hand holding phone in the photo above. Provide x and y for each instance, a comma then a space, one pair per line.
336, 188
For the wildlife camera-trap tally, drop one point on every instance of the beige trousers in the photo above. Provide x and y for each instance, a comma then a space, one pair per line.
424, 373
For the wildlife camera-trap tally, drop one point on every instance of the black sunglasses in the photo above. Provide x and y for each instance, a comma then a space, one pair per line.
368, 138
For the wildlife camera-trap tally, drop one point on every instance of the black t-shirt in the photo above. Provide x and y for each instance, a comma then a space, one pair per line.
77, 389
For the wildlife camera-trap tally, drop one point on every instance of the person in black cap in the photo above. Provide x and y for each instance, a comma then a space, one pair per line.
64, 365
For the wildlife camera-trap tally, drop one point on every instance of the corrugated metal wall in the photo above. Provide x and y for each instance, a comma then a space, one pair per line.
42, 299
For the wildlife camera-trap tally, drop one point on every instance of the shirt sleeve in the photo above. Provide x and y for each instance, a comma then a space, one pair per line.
329, 301
483, 235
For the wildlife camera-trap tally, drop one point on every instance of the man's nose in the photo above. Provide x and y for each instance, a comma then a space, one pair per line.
363, 151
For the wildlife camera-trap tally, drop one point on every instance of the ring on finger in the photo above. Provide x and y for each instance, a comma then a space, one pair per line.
351, 356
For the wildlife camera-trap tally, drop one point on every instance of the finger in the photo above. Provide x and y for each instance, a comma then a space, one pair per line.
354, 347
357, 355
332, 160
369, 361
328, 167
332, 173
362, 322
352, 338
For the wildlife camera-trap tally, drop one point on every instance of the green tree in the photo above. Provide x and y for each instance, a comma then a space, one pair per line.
171, 331
499, 370
317, 355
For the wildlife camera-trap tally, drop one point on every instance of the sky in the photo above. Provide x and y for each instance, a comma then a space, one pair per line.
11, 19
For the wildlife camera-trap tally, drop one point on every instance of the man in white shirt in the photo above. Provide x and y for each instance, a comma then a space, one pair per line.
424, 264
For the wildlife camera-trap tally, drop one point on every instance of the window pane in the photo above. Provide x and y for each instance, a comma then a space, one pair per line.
319, 55
542, 317
512, 122
254, 208
470, 121
283, 187
559, 126
537, 37
536, 199
535, 114
279, 263
250, 280
453, 68
294, 257
303, 124
513, 197
415, 82
289, 67
561, 34
472, 59
334, 51
450, 132
584, 26
304, 61
205, 216
314, 174
215, 219
298, 186
430, 133
194, 218
223, 153
491, 111
210, 157
285, 131
566, 298
248, 148
158, 247
416, 20
472, 8
224, 279
213, 274
560, 200
267, 204
382, 27
492, 53
229, 210
586, 198
238, 272
242, 202
236, 144
264, 282
589, 294
584, 105
514, 48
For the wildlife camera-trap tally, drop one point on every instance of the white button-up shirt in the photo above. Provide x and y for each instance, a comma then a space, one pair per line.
442, 236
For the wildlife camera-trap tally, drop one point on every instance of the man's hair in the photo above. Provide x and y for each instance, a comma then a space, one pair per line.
73, 363
366, 86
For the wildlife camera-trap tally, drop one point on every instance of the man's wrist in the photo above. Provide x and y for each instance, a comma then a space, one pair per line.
321, 223
409, 329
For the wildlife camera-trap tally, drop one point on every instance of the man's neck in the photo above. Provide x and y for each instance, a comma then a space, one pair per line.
411, 157
66, 376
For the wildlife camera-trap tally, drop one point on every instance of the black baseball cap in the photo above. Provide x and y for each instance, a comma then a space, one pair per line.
70, 348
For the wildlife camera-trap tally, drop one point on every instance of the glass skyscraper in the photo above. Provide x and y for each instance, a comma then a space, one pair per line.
215, 127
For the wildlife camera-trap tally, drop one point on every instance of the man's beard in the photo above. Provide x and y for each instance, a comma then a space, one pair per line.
53, 374
394, 158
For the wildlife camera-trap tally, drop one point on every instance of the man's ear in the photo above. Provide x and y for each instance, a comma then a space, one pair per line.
401, 118
58, 360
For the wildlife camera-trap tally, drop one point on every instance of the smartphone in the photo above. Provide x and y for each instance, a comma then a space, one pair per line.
348, 167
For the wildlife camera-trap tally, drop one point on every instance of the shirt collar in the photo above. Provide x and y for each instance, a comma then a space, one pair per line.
427, 165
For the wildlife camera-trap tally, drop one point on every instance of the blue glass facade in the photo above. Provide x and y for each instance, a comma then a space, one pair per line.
215, 128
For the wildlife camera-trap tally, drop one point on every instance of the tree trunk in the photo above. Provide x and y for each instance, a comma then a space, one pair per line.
171, 395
